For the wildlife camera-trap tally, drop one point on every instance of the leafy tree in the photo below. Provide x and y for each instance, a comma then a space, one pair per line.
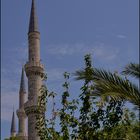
97, 117
41, 125
97, 120
65, 117
68, 121
127, 129
85, 111
12, 138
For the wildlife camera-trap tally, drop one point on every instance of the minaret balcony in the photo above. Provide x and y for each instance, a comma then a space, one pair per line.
33, 63
22, 136
21, 113
35, 68
30, 108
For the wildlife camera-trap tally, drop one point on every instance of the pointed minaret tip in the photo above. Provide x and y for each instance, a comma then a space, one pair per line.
22, 83
33, 25
13, 124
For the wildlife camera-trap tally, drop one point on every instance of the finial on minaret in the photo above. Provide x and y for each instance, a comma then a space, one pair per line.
33, 25
22, 83
13, 125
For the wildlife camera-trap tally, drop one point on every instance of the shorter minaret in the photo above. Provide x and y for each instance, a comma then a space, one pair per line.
13, 126
20, 112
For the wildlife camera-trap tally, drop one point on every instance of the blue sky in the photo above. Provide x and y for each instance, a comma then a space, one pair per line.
108, 29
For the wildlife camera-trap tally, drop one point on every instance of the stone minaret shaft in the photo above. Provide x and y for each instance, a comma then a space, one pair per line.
20, 112
13, 126
34, 71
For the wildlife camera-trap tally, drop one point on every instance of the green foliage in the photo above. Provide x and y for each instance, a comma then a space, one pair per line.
64, 117
100, 107
41, 124
67, 119
86, 108
12, 138
127, 129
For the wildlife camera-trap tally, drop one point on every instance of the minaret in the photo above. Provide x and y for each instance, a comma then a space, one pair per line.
34, 71
13, 126
20, 112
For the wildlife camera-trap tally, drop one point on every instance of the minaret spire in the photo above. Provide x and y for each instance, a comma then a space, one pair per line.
33, 24
22, 82
34, 35
13, 125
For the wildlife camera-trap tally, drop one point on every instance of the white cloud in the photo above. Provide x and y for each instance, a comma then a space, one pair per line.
121, 36
10, 79
12, 71
55, 74
10, 91
8, 101
15, 56
101, 51
106, 53
65, 49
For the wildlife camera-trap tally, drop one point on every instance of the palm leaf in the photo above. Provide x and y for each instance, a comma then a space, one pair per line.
84, 74
132, 69
112, 85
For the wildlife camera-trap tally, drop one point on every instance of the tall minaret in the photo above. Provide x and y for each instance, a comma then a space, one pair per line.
13, 126
34, 71
20, 112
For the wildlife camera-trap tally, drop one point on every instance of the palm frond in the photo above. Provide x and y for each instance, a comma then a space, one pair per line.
132, 69
111, 85
79, 75
84, 74
108, 84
